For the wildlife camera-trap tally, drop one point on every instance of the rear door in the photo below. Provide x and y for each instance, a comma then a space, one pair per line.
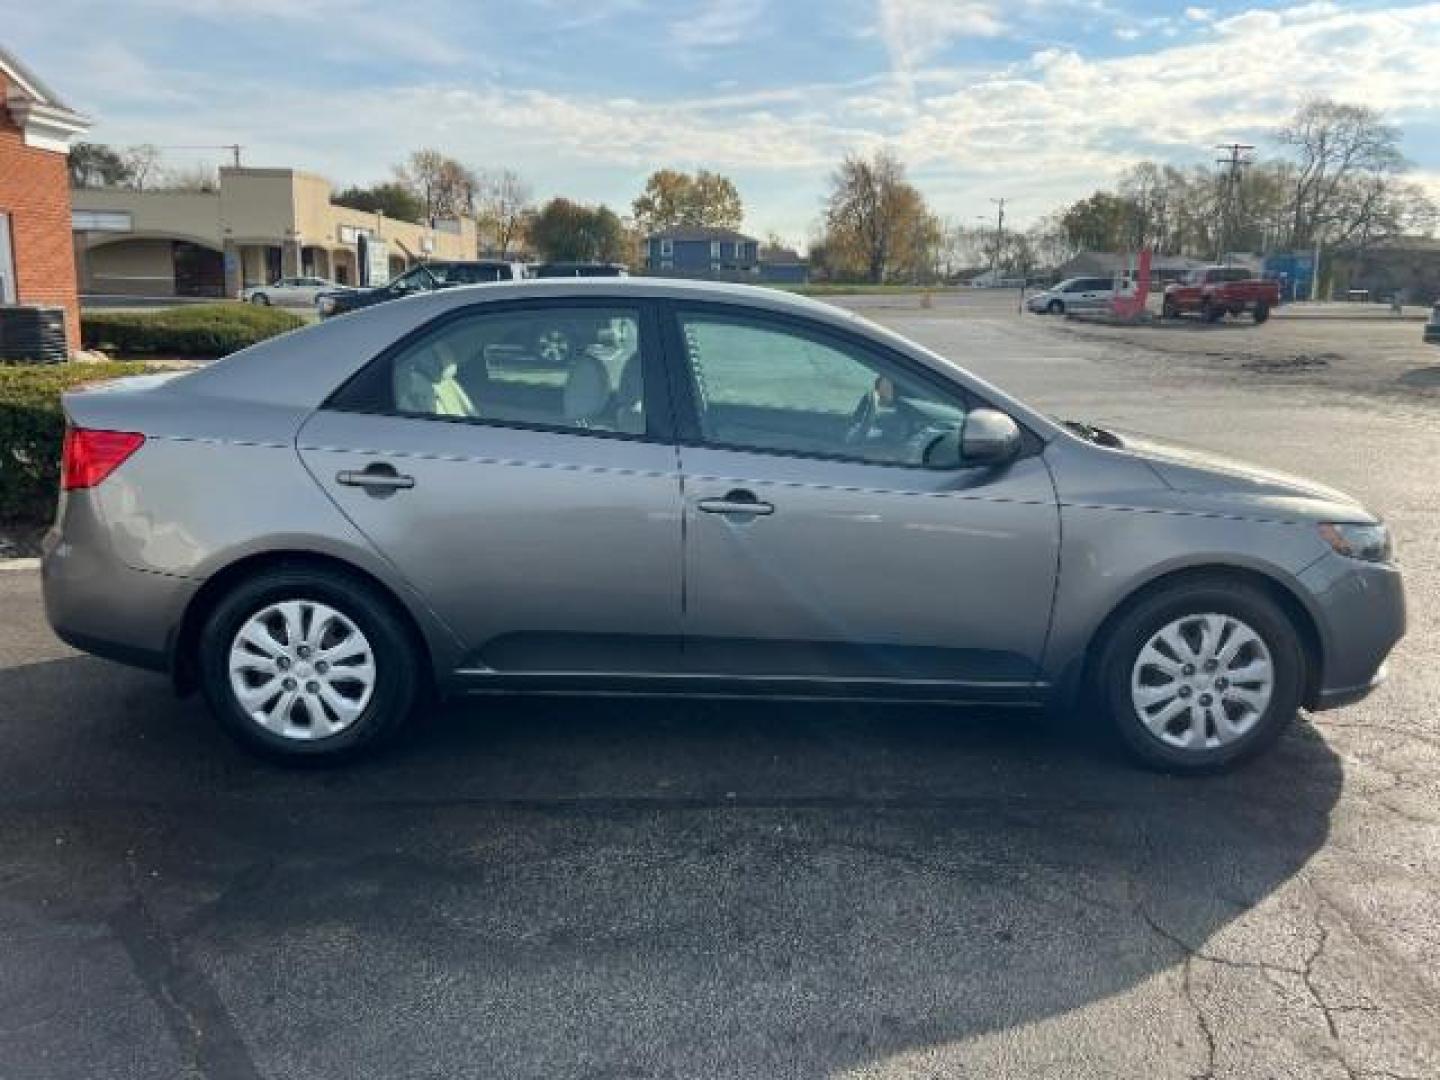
819, 545
537, 510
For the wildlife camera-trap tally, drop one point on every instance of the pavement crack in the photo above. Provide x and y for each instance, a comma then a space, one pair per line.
197, 1018
1187, 987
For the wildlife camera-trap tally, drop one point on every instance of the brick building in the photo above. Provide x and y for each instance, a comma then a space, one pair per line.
37, 259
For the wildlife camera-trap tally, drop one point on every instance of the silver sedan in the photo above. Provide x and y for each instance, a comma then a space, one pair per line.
717, 489
290, 292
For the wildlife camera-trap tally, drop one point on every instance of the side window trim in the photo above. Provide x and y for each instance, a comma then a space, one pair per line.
656, 380
686, 409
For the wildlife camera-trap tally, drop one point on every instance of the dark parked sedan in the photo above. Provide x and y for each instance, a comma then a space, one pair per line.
427, 277
717, 489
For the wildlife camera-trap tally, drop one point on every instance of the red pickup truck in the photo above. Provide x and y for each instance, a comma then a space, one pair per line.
1217, 291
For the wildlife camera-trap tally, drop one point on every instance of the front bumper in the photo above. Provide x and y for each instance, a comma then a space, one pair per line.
1360, 613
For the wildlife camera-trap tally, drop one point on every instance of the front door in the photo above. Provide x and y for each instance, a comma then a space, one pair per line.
819, 545
535, 507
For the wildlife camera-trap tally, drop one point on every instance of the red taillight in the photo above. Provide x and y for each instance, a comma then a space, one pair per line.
90, 456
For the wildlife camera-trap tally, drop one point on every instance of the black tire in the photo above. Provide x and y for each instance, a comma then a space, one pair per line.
398, 678
1202, 595
1056, 307
1262, 313
1168, 310
1211, 313
260, 300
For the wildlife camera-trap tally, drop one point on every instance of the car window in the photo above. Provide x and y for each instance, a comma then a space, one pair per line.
462, 274
573, 368
768, 387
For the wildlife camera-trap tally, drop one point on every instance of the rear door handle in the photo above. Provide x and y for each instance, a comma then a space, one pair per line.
376, 478
738, 501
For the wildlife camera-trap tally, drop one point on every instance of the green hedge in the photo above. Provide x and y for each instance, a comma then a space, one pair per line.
32, 428
201, 330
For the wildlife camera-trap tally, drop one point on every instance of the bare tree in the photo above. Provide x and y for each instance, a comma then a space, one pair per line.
142, 163
444, 187
503, 202
1346, 154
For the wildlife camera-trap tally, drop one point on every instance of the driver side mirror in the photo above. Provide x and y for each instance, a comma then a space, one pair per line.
988, 437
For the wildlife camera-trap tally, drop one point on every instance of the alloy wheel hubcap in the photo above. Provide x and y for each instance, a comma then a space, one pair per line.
1202, 681
302, 670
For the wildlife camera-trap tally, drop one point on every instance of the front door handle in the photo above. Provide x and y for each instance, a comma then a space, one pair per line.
738, 501
376, 478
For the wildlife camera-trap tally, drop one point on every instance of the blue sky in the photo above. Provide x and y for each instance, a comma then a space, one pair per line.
1036, 101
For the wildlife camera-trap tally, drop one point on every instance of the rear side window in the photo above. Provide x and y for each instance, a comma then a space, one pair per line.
576, 368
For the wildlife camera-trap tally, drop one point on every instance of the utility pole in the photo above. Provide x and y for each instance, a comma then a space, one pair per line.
999, 237
1236, 160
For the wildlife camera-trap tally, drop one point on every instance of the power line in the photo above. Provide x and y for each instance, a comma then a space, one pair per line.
234, 149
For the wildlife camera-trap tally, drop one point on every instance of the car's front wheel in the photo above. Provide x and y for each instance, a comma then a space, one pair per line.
1056, 307
306, 663
1204, 674
260, 300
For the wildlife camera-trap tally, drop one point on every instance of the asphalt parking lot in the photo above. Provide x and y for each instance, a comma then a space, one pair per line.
588, 889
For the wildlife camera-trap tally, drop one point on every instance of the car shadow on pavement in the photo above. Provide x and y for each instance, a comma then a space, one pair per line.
583, 887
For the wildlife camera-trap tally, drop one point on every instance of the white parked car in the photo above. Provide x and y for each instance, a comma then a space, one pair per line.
1077, 294
290, 292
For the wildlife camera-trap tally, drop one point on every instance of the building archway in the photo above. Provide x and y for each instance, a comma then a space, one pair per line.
151, 265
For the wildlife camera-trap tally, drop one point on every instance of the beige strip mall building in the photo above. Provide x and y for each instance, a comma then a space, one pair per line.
260, 225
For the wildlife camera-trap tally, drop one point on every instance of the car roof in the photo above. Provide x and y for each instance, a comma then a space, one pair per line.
619, 287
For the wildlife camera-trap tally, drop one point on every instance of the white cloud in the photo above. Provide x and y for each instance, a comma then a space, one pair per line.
915, 30
717, 23
1042, 130
1199, 14
336, 28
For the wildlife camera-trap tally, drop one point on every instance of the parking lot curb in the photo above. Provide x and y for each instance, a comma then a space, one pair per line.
19, 564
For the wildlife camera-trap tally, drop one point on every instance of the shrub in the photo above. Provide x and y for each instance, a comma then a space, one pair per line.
32, 427
199, 331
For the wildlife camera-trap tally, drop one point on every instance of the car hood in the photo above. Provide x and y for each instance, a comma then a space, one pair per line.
1200, 472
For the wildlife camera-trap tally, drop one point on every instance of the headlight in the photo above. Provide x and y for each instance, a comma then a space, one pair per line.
1368, 542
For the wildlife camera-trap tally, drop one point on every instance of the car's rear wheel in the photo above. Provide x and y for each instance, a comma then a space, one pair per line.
1210, 312
260, 300
1202, 675
307, 664
1168, 310
1056, 307
1262, 312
